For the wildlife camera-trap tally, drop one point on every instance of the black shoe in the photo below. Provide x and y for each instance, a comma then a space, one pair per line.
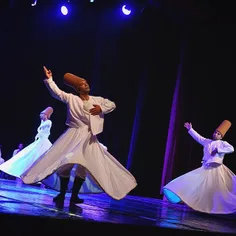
59, 200
76, 200
59, 197
75, 209
78, 182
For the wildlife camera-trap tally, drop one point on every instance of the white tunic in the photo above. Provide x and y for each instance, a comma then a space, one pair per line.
210, 145
77, 116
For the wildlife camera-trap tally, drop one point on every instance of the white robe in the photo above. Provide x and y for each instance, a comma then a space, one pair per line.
24, 159
79, 145
1, 159
210, 188
16, 151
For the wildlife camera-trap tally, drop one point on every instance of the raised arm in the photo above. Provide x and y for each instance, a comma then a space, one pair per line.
53, 88
196, 136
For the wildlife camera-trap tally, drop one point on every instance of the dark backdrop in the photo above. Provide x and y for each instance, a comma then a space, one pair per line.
136, 61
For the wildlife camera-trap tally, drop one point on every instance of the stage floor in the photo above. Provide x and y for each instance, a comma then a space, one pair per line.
20, 199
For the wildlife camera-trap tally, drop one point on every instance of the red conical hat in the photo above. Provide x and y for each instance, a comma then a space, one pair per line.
224, 127
72, 80
48, 111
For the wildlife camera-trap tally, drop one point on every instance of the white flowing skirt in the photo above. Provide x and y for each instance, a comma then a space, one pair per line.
79, 146
206, 189
24, 159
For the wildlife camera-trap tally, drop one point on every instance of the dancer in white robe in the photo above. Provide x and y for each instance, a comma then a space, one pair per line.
212, 187
1, 159
79, 145
20, 147
2, 174
23, 160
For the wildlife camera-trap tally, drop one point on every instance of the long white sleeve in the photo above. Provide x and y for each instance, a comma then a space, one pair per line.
106, 105
55, 91
198, 137
225, 147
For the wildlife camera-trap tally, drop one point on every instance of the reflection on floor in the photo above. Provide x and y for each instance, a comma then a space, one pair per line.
20, 199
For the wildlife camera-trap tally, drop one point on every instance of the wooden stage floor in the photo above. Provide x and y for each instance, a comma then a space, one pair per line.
24, 208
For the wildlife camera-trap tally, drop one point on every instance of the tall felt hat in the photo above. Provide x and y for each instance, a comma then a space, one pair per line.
72, 80
224, 127
48, 111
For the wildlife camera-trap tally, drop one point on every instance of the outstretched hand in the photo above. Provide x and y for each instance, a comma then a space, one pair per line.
187, 125
47, 72
96, 110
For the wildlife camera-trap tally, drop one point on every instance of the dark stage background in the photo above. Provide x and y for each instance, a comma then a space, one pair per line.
162, 66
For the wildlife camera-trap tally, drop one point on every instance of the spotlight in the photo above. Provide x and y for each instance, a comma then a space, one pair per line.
125, 10
34, 3
64, 10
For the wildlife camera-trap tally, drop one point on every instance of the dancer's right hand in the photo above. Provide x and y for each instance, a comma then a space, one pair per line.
47, 72
187, 125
